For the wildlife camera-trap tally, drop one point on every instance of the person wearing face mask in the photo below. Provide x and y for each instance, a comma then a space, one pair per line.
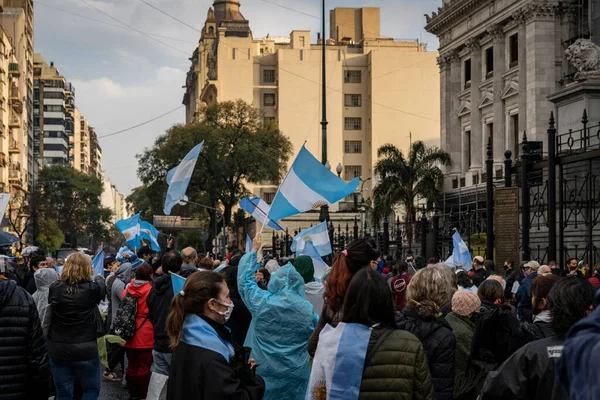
205, 364
282, 322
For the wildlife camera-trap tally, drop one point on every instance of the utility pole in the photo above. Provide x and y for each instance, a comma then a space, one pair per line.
324, 214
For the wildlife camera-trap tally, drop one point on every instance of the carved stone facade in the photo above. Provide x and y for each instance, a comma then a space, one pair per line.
499, 61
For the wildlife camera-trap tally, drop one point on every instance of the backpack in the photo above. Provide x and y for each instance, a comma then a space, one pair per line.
496, 333
124, 324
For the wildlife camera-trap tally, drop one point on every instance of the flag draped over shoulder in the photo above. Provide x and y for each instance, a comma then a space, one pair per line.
130, 228
308, 185
150, 233
339, 361
318, 234
259, 209
179, 178
320, 266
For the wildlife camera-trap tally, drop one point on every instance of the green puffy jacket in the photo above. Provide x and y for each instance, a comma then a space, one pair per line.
398, 369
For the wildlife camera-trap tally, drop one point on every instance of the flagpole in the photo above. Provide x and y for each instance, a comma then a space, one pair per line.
265, 214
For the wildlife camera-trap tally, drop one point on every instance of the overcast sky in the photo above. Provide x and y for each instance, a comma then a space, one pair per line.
123, 78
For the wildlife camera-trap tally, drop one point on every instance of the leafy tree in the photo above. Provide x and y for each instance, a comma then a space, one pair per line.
73, 200
403, 180
238, 149
18, 215
50, 237
193, 239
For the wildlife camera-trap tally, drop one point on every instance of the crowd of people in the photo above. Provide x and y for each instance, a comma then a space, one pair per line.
249, 327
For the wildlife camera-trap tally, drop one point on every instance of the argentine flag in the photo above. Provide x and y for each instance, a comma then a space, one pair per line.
320, 266
130, 228
308, 185
259, 209
248, 244
319, 235
149, 233
339, 361
98, 263
460, 253
179, 178
177, 283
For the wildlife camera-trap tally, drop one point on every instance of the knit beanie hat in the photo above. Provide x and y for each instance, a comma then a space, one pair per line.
304, 266
465, 302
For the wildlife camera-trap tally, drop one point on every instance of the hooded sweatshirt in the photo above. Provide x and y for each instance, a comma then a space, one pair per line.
272, 266
159, 305
282, 322
144, 334
123, 276
43, 279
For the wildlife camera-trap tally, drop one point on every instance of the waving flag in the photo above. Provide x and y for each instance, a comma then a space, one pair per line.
460, 253
130, 228
339, 361
248, 244
98, 263
259, 209
320, 266
149, 233
179, 178
177, 283
308, 185
319, 235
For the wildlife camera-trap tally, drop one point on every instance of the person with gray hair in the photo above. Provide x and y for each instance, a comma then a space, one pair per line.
190, 256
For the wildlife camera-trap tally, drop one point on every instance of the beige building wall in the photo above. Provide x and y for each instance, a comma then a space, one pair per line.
75, 142
354, 24
5, 81
396, 91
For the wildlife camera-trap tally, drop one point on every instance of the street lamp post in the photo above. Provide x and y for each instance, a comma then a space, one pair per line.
324, 214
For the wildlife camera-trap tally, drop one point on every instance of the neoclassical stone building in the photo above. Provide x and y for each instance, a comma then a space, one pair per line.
499, 61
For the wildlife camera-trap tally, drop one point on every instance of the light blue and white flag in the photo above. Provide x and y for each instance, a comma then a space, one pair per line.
98, 263
318, 234
150, 233
248, 244
339, 361
130, 228
179, 178
460, 253
259, 209
177, 283
320, 266
308, 185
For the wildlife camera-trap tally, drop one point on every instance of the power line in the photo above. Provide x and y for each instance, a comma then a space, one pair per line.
107, 23
134, 29
141, 124
170, 16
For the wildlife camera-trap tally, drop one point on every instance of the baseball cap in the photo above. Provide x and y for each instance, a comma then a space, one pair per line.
534, 265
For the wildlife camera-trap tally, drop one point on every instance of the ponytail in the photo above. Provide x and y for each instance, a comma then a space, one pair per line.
199, 288
175, 321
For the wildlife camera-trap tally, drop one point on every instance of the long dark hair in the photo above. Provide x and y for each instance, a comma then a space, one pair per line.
464, 280
540, 288
199, 288
357, 255
569, 301
368, 300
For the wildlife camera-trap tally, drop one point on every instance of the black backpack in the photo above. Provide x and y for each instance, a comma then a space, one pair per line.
124, 324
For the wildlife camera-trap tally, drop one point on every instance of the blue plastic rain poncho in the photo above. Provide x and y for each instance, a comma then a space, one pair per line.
282, 322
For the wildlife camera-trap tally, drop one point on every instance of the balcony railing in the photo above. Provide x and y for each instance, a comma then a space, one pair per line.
14, 175
14, 146
15, 121
13, 69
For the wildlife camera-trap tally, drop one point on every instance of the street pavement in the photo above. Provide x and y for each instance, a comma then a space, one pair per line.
113, 391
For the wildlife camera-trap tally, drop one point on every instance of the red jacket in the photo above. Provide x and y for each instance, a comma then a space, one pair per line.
594, 281
399, 285
144, 335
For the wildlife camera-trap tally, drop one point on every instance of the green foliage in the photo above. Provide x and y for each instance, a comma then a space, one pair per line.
73, 200
239, 218
403, 180
237, 150
50, 237
191, 239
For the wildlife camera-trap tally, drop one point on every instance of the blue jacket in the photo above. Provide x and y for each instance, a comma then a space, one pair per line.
578, 368
282, 323
524, 307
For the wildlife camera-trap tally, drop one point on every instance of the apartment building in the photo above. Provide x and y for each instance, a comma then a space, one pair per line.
95, 154
80, 144
379, 90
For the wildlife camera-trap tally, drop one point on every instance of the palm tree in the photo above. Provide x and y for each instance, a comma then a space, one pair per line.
403, 180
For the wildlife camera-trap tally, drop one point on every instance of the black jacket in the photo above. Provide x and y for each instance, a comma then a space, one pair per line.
479, 276
159, 305
529, 374
440, 348
512, 276
239, 323
201, 374
524, 307
73, 326
24, 369
187, 270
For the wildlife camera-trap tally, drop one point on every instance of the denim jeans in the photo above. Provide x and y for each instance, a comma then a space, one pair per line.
88, 373
162, 362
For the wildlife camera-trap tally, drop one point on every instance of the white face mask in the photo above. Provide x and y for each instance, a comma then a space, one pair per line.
225, 314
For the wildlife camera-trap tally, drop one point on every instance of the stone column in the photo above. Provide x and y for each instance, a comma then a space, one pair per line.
541, 69
445, 103
476, 123
455, 144
499, 144
522, 76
